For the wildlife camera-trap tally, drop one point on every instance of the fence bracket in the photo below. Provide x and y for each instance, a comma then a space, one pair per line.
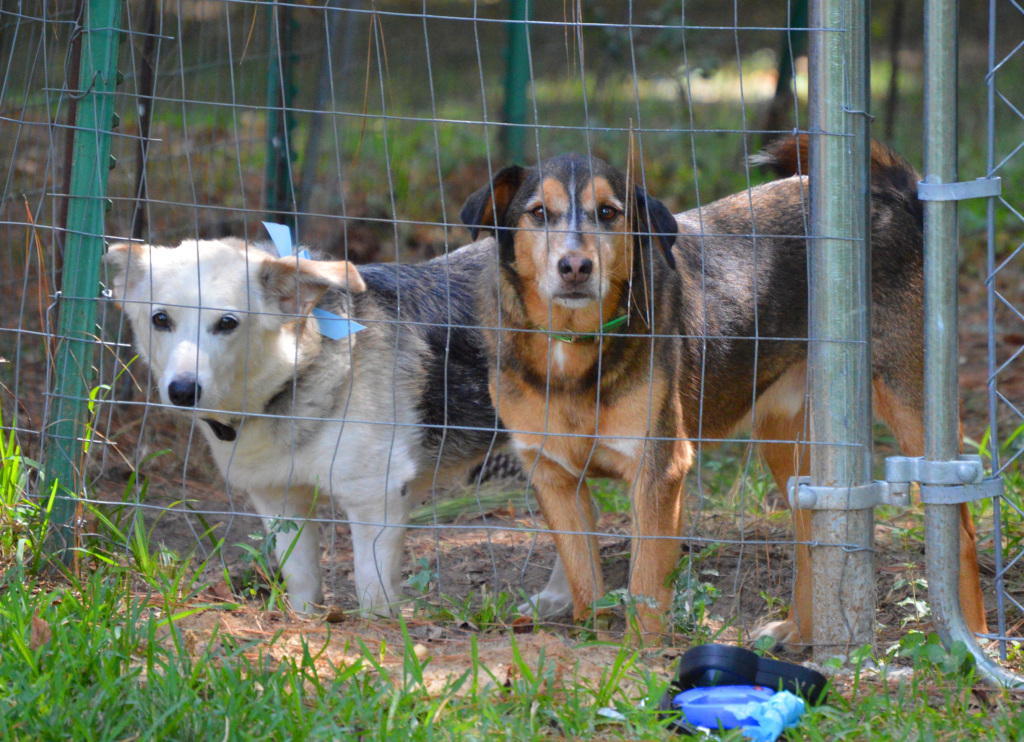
956, 494
944, 482
966, 469
980, 188
805, 496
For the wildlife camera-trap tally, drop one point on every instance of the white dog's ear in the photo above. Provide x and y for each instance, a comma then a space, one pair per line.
340, 272
297, 284
126, 262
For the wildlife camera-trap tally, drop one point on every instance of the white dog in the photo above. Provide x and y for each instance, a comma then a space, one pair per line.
291, 415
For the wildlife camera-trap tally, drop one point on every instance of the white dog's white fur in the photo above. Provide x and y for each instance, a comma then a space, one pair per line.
291, 416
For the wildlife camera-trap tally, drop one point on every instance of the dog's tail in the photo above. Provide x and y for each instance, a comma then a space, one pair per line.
785, 156
892, 177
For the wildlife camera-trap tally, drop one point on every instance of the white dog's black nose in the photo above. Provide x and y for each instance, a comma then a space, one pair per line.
184, 391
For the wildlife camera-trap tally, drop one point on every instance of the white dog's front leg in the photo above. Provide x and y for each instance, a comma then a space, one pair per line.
378, 532
296, 542
554, 600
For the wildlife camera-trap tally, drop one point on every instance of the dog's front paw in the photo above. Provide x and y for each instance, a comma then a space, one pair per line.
379, 602
785, 634
307, 604
546, 604
379, 610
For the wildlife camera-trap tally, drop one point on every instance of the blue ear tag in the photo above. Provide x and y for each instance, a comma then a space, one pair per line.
281, 236
334, 327
331, 325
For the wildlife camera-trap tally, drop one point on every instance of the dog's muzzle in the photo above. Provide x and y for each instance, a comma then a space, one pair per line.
184, 391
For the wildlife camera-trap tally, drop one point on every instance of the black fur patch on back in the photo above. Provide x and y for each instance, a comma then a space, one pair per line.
439, 297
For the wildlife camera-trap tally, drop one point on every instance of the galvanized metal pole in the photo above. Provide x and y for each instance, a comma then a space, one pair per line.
942, 401
79, 291
840, 323
517, 77
990, 270
942, 413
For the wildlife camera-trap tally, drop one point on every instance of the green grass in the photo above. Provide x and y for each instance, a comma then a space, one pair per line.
1013, 501
90, 659
108, 650
93, 660
939, 701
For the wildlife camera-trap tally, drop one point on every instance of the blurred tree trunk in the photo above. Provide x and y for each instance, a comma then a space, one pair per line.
782, 109
340, 38
144, 96
895, 41
70, 84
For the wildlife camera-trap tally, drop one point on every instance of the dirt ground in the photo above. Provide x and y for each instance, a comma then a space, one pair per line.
500, 549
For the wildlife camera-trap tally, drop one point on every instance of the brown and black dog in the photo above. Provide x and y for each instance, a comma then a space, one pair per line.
612, 357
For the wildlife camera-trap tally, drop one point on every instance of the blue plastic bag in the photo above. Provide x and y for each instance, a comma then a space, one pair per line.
780, 712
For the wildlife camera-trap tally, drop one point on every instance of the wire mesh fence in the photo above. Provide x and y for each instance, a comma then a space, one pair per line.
364, 128
1005, 420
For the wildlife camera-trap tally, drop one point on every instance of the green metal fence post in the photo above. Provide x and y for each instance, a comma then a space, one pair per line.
517, 76
79, 291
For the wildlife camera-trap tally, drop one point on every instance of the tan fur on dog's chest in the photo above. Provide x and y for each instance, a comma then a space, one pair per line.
579, 431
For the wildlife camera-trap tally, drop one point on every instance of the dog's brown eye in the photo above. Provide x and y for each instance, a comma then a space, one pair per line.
607, 213
227, 323
161, 321
538, 213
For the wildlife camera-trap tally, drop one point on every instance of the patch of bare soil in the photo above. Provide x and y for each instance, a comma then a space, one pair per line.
502, 550
498, 550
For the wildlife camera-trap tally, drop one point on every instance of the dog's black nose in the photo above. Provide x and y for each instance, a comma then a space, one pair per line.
184, 391
575, 268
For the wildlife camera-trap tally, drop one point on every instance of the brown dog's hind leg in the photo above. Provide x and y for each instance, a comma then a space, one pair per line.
907, 424
786, 460
972, 603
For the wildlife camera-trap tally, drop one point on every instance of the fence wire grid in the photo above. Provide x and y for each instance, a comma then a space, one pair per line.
1005, 142
364, 127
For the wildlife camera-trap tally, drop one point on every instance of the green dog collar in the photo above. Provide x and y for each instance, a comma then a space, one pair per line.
576, 337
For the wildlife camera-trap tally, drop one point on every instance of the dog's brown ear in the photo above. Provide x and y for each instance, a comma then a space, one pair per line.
297, 284
293, 284
486, 208
654, 219
126, 262
339, 272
